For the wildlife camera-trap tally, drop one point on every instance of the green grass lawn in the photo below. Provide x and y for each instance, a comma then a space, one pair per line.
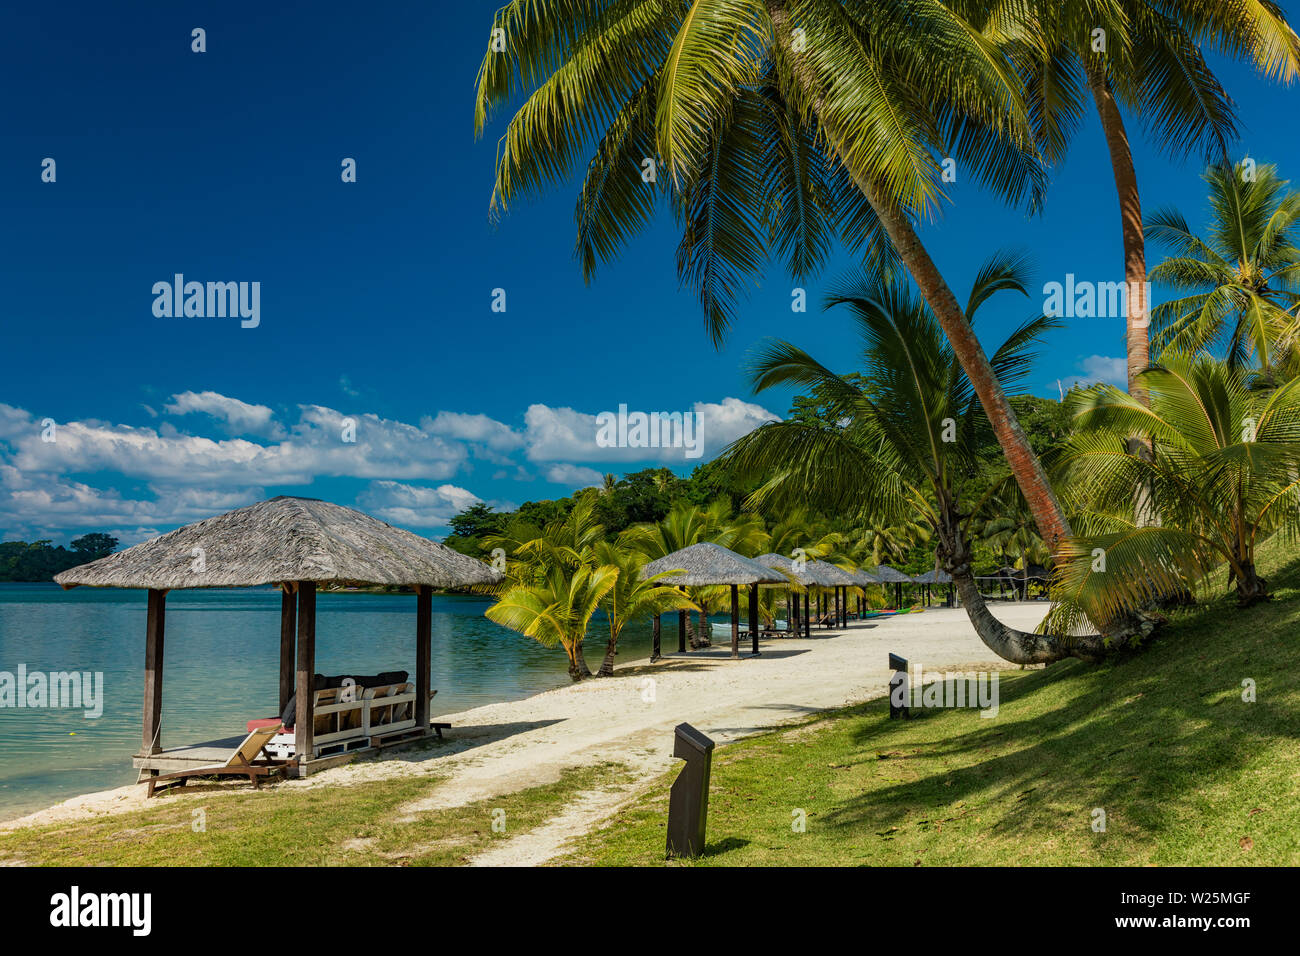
1185, 770
359, 825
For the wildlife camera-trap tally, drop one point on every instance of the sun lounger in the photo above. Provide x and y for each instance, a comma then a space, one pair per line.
243, 762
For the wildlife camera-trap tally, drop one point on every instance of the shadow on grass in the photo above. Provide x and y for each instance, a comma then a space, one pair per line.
1146, 733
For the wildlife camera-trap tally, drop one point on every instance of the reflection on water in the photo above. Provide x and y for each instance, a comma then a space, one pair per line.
221, 668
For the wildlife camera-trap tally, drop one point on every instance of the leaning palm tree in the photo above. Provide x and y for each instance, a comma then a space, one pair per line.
1224, 472
768, 127
632, 596
912, 430
1241, 282
1144, 57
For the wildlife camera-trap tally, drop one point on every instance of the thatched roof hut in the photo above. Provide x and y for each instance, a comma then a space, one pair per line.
706, 563
833, 575
887, 575
284, 539
805, 576
295, 543
933, 577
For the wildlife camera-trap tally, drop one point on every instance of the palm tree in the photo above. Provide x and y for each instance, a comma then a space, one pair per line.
557, 608
1224, 472
564, 542
768, 126
1242, 281
912, 431
632, 597
1148, 60
684, 525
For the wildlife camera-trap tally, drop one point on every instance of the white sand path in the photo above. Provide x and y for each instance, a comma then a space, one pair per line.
629, 720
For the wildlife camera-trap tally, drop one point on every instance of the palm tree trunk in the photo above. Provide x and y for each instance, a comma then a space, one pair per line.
1018, 647
1137, 331
1025, 466
607, 665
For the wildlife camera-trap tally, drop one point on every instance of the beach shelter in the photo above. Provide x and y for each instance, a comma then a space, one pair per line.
706, 564
888, 575
294, 544
861, 577
931, 578
779, 562
839, 581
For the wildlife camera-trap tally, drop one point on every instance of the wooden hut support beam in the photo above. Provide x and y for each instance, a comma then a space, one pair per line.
288, 634
155, 626
305, 717
423, 655
735, 621
753, 616
656, 652
681, 628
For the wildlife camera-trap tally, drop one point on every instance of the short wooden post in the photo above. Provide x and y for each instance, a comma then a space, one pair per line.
155, 627
288, 627
735, 621
423, 654
753, 616
305, 718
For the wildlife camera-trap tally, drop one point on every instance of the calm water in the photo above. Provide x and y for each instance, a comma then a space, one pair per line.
222, 659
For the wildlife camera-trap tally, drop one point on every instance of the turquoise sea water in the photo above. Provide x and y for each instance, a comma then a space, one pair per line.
221, 663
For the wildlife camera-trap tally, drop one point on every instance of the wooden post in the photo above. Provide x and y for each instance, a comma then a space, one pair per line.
681, 628
735, 621
155, 626
423, 654
305, 719
288, 625
753, 616
807, 621
792, 612
657, 628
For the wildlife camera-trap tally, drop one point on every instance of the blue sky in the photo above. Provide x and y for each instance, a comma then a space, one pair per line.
376, 295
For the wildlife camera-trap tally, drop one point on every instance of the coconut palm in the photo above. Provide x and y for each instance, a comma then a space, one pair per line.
1224, 473
557, 608
768, 127
1144, 57
564, 542
903, 440
632, 597
1241, 281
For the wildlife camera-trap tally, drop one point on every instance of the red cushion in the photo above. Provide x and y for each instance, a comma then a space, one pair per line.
261, 722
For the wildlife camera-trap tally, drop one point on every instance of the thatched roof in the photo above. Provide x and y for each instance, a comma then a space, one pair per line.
890, 575
283, 539
832, 575
707, 563
933, 577
779, 562
861, 576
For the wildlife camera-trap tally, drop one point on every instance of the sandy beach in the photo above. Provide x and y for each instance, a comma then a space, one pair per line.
629, 719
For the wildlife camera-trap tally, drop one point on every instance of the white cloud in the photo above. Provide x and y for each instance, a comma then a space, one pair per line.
492, 438
314, 446
414, 506
574, 475
1104, 368
239, 418
563, 434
